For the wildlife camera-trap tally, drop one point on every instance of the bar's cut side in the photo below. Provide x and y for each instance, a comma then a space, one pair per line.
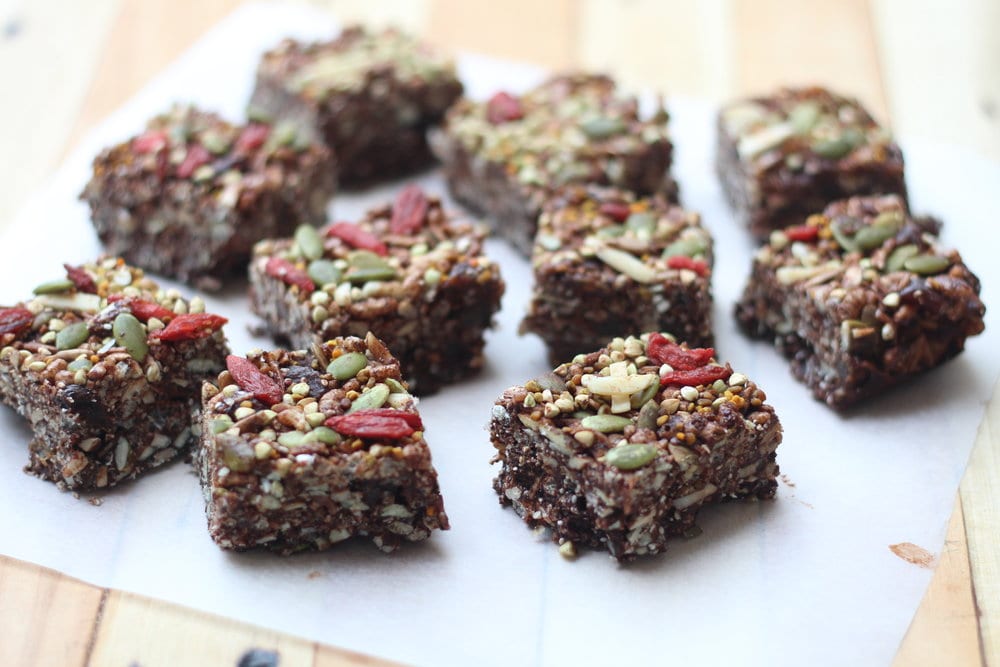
190, 196
860, 298
302, 450
502, 157
107, 368
371, 96
785, 156
619, 449
607, 263
406, 272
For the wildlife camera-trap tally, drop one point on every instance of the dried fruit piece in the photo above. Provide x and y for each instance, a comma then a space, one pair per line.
252, 137
143, 310
83, 281
664, 351
190, 327
250, 378
15, 320
616, 210
804, 233
411, 418
197, 155
683, 262
503, 107
697, 376
409, 211
150, 142
356, 237
289, 274
372, 424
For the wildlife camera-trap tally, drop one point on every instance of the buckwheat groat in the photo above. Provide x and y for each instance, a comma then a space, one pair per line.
405, 272
189, 197
607, 263
301, 450
371, 96
619, 449
107, 367
504, 156
859, 298
783, 157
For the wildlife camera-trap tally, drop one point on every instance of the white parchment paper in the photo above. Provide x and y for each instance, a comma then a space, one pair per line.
806, 579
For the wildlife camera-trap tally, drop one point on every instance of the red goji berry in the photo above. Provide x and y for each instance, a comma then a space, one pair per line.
684, 262
802, 233
616, 210
83, 281
252, 137
364, 424
190, 327
697, 376
409, 211
197, 156
150, 141
503, 107
15, 320
289, 274
356, 237
250, 378
663, 351
143, 310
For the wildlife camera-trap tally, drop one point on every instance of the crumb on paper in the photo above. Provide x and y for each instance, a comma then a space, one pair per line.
315, 574
786, 480
911, 553
96, 502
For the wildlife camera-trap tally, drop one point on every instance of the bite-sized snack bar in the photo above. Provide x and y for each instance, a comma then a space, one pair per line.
405, 272
859, 298
504, 156
190, 196
371, 96
607, 263
619, 449
301, 450
107, 368
783, 157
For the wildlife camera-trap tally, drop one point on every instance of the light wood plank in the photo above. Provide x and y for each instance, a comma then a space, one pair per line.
828, 42
944, 631
981, 503
46, 618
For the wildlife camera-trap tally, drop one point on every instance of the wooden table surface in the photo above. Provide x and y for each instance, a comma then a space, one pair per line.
930, 69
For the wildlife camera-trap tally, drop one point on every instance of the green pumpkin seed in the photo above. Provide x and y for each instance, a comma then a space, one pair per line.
641, 223
309, 241
81, 364
364, 259
804, 116
371, 399
323, 272
927, 265
845, 240
220, 424
645, 395
324, 434
347, 366
259, 114
130, 334
54, 287
395, 386
548, 242
897, 258
631, 456
359, 276
72, 336
688, 247
648, 415
238, 456
611, 231
603, 127
837, 147
283, 134
605, 423
292, 439
875, 234
217, 143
